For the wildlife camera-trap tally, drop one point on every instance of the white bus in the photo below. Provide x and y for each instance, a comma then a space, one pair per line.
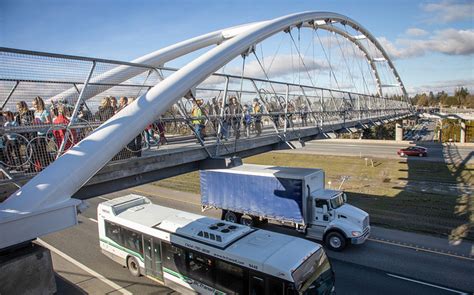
195, 254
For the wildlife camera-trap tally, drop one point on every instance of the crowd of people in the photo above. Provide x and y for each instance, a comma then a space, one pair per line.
49, 124
34, 148
232, 118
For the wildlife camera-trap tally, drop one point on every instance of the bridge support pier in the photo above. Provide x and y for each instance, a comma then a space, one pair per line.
462, 138
399, 131
27, 270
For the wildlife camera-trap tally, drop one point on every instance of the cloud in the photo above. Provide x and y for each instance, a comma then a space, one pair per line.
416, 32
437, 86
449, 11
283, 65
448, 41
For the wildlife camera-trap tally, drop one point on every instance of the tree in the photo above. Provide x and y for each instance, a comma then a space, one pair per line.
423, 100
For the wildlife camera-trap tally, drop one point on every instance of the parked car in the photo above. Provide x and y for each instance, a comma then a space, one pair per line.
413, 151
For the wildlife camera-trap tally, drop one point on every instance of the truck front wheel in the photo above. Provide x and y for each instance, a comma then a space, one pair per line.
335, 241
232, 217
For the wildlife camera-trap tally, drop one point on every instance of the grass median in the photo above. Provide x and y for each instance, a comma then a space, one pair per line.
430, 197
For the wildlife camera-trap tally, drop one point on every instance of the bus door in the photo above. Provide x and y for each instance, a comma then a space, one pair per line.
152, 249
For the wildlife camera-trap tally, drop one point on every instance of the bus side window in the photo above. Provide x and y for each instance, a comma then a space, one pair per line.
112, 232
132, 241
201, 268
274, 286
173, 258
229, 278
256, 285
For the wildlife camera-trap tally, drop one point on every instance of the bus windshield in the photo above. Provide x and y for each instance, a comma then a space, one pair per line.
315, 275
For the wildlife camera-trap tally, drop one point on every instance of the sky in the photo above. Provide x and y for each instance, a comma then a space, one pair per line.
430, 42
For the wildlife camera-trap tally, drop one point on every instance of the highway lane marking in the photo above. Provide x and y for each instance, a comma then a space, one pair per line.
85, 268
420, 249
92, 219
103, 198
424, 283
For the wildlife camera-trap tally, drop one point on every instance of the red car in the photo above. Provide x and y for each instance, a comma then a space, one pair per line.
413, 151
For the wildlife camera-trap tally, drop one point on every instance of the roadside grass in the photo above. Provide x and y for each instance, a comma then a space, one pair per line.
398, 193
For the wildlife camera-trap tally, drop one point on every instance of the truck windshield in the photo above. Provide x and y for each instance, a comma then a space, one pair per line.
315, 275
337, 202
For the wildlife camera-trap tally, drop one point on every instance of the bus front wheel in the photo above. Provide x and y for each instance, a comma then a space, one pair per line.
133, 266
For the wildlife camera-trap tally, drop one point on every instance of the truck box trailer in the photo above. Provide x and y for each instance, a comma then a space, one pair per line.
249, 194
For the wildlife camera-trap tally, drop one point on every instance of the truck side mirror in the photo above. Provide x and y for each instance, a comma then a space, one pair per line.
325, 209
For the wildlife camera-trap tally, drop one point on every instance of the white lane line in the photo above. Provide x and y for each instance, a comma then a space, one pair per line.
103, 198
85, 268
420, 249
423, 283
92, 219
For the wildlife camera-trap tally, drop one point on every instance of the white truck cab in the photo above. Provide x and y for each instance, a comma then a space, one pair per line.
334, 221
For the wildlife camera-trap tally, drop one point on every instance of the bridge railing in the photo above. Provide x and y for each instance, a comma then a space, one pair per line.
80, 93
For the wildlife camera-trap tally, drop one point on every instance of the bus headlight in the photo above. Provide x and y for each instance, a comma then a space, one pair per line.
356, 233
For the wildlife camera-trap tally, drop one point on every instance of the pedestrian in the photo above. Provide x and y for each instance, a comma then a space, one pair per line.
304, 115
197, 119
123, 102
235, 111
247, 120
214, 114
257, 111
105, 110
41, 155
60, 134
113, 103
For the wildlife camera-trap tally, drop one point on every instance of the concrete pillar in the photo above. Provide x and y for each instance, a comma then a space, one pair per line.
399, 131
27, 270
462, 138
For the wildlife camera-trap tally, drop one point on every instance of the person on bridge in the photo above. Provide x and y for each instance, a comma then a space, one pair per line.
304, 115
60, 134
225, 121
41, 157
113, 103
257, 111
214, 110
197, 119
235, 110
105, 111
123, 102
247, 120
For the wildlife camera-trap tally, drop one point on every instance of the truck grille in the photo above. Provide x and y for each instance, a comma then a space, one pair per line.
366, 222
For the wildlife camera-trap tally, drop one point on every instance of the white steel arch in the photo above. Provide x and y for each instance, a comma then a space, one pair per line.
54, 186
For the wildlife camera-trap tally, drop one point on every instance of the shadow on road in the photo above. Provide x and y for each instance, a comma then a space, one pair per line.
465, 201
434, 197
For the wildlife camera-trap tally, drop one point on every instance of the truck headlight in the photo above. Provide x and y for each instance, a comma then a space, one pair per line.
356, 233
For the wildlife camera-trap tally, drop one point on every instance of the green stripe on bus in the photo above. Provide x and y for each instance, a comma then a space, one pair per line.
180, 276
173, 273
114, 244
167, 270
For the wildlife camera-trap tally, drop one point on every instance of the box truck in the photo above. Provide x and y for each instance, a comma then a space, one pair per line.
251, 194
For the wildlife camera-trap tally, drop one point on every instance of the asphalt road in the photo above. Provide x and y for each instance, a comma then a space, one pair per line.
366, 148
390, 263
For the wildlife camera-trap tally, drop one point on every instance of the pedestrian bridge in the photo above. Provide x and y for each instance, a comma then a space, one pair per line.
258, 87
